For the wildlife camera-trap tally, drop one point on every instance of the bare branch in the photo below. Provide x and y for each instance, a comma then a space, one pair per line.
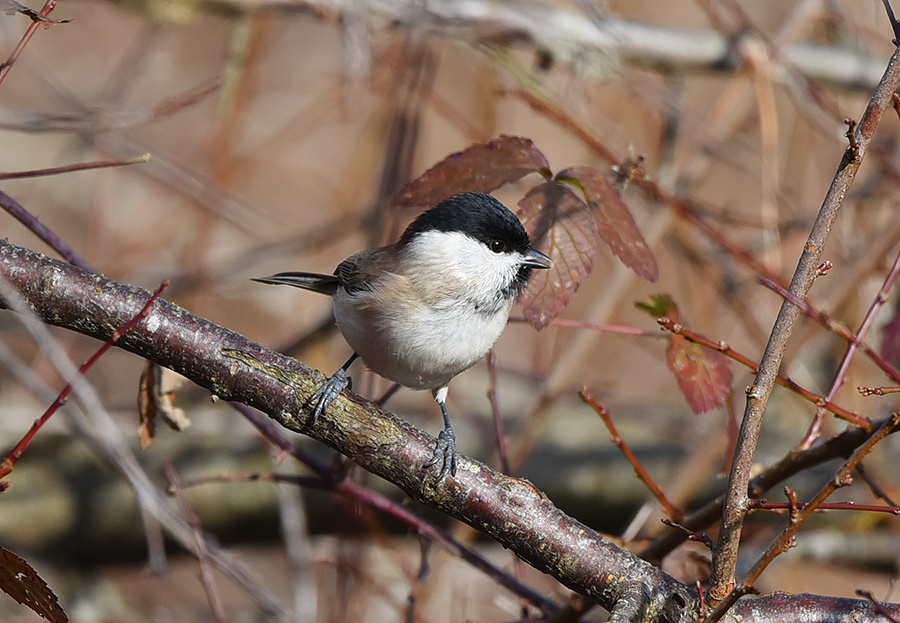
722, 580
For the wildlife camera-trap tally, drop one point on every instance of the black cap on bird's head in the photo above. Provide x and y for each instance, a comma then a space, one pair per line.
485, 219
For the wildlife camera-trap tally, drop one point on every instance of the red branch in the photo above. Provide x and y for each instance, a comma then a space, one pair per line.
7, 465
671, 510
36, 21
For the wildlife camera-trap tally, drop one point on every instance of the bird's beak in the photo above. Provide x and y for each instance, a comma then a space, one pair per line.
536, 259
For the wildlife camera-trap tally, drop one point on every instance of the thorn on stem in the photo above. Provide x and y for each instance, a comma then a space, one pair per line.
792, 503
700, 537
853, 149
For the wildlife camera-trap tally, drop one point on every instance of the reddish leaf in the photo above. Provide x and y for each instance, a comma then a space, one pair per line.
615, 224
703, 376
482, 167
890, 338
559, 223
21, 582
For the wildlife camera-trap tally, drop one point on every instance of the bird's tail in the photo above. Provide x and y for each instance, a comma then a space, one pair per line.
323, 284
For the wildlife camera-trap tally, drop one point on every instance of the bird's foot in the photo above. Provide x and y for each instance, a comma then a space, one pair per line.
444, 454
326, 393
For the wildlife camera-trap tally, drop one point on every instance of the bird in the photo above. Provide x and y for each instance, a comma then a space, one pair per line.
430, 306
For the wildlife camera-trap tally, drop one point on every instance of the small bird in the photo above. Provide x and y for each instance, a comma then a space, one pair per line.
431, 305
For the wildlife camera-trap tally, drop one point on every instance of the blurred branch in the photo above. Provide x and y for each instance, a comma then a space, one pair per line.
592, 43
206, 578
94, 425
15, 209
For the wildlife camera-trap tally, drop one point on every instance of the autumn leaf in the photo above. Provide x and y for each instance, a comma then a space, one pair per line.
571, 218
156, 397
20, 581
703, 376
615, 224
559, 223
483, 167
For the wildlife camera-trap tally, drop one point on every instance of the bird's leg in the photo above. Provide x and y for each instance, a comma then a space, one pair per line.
329, 390
445, 448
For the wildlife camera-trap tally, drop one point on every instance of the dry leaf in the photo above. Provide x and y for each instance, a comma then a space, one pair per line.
156, 397
483, 167
615, 224
560, 224
703, 375
21, 582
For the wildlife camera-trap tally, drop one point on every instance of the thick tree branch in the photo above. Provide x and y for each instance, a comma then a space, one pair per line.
510, 510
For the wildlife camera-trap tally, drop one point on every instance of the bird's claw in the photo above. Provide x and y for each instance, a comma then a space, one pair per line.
326, 393
444, 454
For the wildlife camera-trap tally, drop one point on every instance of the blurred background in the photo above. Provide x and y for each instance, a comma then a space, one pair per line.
278, 132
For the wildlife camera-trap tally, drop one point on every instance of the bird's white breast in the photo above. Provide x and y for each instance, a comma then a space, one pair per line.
438, 315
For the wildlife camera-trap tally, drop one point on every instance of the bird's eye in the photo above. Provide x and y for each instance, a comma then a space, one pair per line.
497, 246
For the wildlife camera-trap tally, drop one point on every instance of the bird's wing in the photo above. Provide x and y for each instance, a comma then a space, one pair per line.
359, 272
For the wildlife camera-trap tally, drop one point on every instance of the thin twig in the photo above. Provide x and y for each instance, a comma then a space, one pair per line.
868, 390
699, 537
836, 327
671, 510
38, 20
794, 507
518, 565
6, 466
815, 426
878, 607
15, 209
69, 168
876, 489
206, 577
895, 25
784, 541
495, 412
